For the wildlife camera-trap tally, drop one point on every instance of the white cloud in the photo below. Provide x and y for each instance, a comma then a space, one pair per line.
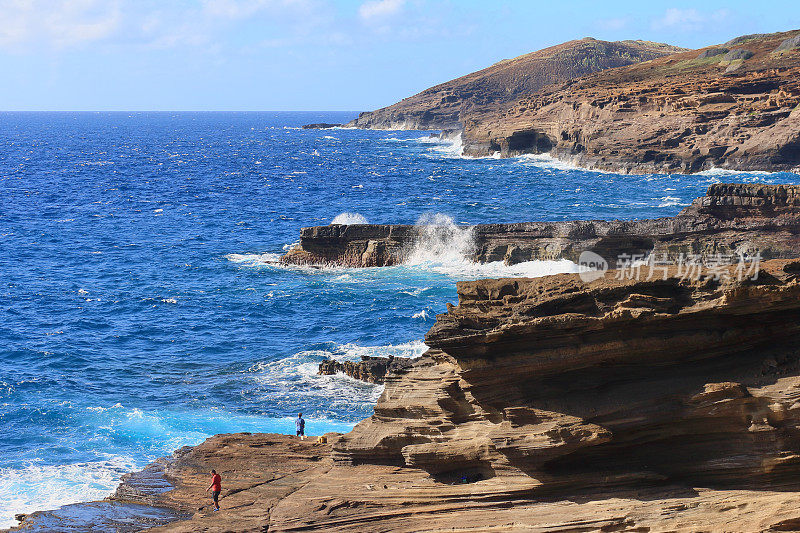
57, 23
35, 25
689, 19
373, 10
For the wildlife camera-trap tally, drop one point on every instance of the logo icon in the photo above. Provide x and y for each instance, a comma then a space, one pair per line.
591, 266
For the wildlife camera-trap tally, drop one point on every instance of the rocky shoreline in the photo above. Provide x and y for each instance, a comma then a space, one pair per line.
659, 110
369, 369
545, 404
648, 398
690, 111
731, 220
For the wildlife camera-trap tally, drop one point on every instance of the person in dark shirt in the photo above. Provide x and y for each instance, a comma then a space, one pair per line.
300, 424
215, 488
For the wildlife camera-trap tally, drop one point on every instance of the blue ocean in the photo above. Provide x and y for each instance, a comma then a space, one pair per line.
140, 310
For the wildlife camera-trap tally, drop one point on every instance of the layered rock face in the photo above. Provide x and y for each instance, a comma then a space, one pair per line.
443, 106
732, 219
732, 106
617, 382
547, 405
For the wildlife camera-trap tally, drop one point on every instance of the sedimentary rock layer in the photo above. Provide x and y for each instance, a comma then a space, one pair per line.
732, 106
443, 106
613, 382
549, 404
732, 219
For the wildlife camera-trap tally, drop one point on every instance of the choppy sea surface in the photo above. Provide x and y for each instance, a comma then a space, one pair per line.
140, 311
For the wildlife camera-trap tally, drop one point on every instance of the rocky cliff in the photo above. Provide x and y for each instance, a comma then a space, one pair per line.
548, 405
732, 219
735, 105
444, 106
616, 381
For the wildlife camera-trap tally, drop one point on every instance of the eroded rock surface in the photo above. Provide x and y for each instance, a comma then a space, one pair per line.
548, 404
735, 106
731, 220
576, 384
444, 106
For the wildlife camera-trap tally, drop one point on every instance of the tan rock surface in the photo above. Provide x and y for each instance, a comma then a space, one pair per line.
548, 404
444, 105
686, 112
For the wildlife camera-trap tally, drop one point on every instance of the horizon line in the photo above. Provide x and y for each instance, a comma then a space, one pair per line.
179, 111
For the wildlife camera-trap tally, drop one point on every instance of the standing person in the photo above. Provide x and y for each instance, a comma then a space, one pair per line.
300, 424
215, 488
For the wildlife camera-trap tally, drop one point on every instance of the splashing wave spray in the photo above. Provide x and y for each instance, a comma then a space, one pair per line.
349, 218
441, 241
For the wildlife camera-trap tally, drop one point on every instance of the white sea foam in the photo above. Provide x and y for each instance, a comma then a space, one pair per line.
448, 146
746, 175
441, 241
296, 375
36, 487
671, 201
349, 218
443, 247
447, 248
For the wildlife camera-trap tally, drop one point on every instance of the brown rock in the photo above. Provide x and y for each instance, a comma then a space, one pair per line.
731, 219
369, 369
681, 113
443, 107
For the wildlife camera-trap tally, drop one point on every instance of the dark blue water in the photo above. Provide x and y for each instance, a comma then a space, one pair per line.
138, 308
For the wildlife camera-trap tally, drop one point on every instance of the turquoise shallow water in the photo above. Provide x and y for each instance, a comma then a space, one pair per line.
139, 311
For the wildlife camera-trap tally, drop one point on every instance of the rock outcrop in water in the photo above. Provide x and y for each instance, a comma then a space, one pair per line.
369, 369
444, 106
735, 106
731, 220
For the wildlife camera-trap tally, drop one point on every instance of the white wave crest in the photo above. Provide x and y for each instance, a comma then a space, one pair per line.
671, 201
447, 248
743, 175
347, 218
296, 376
448, 146
37, 487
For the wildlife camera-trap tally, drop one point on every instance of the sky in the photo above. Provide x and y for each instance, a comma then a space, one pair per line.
285, 55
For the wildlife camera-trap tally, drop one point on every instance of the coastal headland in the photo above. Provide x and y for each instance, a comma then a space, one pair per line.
667, 402
734, 105
546, 404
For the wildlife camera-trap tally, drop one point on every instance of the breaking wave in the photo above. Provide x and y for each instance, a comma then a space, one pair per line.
440, 241
36, 487
442, 247
447, 248
349, 218
293, 382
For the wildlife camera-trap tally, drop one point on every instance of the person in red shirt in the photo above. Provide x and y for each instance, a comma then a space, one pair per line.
215, 488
